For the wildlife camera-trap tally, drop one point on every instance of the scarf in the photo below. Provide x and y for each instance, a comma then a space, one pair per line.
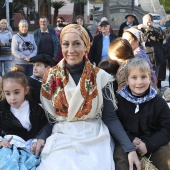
56, 81
36, 78
137, 100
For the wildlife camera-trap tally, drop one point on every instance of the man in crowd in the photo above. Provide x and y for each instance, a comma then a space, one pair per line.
130, 21
154, 46
46, 39
101, 42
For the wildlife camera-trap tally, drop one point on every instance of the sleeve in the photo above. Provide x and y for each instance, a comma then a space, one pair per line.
90, 35
56, 43
15, 48
120, 31
162, 135
45, 132
92, 51
116, 129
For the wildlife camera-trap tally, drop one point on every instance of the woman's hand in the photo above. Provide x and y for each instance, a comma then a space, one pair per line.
6, 143
136, 142
141, 148
37, 147
133, 160
27, 59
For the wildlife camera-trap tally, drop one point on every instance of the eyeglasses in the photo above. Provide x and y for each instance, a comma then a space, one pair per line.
60, 21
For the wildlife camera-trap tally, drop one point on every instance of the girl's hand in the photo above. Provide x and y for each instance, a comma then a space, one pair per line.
133, 160
6, 143
37, 147
141, 149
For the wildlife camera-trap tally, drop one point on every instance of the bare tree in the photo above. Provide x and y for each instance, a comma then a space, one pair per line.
106, 9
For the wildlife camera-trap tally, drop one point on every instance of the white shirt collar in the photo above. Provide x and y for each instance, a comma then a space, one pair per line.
45, 31
23, 114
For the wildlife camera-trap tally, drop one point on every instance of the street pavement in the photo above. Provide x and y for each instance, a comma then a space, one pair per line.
153, 6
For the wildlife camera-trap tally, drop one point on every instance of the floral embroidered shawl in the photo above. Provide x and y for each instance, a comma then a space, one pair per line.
69, 101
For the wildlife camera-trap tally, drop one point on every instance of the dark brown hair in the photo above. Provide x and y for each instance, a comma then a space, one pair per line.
120, 49
109, 67
17, 73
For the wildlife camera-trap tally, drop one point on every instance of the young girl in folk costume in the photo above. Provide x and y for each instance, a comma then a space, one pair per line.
147, 119
20, 122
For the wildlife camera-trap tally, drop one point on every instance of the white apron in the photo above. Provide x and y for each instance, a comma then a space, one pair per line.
81, 145
78, 143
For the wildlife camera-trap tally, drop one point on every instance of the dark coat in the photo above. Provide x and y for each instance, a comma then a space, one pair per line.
9, 124
122, 26
37, 37
35, 87
95, 53
151, 123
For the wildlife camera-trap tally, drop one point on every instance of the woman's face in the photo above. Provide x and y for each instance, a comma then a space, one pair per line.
134, 43
73, 47
3, 25
23, 28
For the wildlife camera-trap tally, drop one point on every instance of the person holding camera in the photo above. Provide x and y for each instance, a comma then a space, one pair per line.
24, 47
60, 24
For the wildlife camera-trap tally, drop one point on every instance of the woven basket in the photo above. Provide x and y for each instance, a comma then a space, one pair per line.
146, 164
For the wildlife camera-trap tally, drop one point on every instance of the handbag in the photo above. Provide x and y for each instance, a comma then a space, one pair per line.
5, 51
146, 164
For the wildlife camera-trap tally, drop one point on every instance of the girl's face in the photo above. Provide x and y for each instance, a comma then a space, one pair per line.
73, 48
134, 43
138, 81
14, 92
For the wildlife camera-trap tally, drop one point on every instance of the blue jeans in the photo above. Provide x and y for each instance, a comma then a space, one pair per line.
28, 69
7, 66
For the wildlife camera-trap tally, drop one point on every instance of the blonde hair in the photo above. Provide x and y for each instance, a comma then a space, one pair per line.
17, 73
5, 21
137, 63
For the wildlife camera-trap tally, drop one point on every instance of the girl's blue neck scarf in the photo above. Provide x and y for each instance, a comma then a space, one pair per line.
125, 93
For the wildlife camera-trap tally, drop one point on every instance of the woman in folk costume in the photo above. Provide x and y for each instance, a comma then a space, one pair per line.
80, 103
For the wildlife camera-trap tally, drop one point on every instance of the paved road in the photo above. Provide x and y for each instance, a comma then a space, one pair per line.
153, 6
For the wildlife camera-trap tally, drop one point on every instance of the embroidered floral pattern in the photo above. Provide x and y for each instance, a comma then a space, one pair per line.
57, 78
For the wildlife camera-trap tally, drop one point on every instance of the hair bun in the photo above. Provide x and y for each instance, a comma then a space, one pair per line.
17, 68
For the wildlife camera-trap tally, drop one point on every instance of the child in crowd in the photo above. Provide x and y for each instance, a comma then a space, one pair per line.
110, 68
145, 117
41, 63
20, 123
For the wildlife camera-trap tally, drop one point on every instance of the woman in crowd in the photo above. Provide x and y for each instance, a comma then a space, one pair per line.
5, 45
81, 105
24, 47
136, 40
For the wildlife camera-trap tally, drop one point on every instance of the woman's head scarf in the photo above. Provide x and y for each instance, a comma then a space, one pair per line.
78, 29
138, 34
